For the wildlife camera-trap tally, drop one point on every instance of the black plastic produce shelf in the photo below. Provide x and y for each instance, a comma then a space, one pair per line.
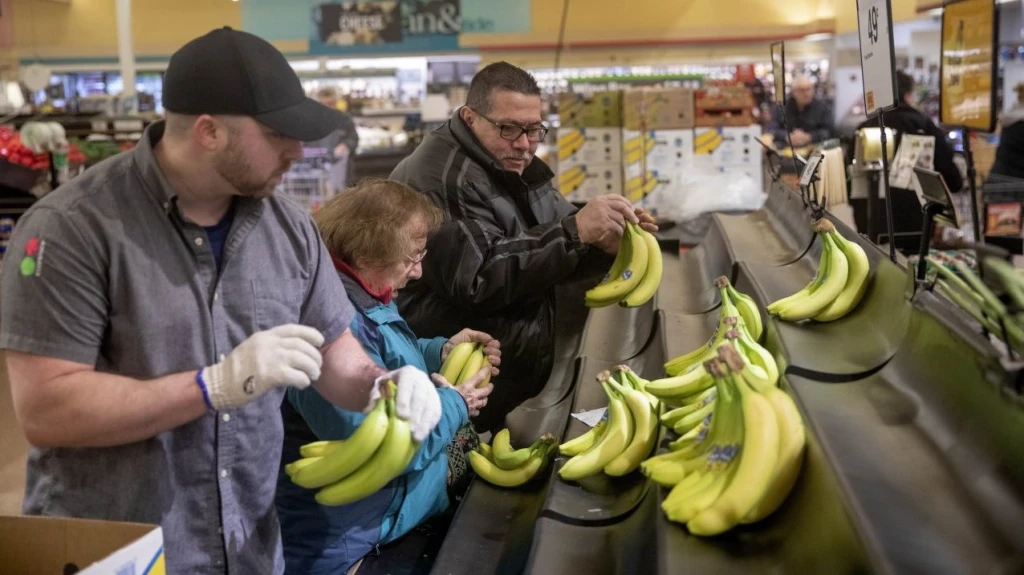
914, 431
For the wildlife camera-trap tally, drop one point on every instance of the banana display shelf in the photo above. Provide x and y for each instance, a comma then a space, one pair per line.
914, 430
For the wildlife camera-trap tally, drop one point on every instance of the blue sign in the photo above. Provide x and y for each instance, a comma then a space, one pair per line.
376, 26
291, 20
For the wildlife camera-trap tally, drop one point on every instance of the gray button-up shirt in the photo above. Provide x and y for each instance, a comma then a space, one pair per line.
106, 271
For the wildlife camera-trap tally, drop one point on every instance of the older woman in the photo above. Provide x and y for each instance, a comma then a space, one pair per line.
377, 233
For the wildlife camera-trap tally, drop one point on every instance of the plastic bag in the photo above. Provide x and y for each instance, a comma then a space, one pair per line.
703, 190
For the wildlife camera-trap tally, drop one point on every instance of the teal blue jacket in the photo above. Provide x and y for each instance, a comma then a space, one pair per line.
331, 539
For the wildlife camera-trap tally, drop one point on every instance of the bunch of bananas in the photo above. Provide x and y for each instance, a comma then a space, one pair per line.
739, 311
635, 274
463, 362
345, 471
738, 463
618, 445
499, 464
836, 288
964, 288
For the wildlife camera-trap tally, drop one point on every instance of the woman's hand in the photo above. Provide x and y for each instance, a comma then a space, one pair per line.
475, 398
492, 347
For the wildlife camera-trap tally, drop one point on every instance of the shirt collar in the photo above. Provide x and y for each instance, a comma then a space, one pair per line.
384, 296
145, 162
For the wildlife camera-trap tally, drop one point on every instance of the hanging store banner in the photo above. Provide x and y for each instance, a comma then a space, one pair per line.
968, 66
371, 27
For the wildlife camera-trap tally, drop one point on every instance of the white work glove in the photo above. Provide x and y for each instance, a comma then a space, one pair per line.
416, 401
287, 355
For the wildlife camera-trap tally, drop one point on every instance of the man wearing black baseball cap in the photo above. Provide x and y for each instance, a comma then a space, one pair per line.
155, 308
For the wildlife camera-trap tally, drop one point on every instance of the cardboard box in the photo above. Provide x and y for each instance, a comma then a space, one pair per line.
598, 110
728, 146
658, 109
49, 545
661, 150
585, 182
578, 146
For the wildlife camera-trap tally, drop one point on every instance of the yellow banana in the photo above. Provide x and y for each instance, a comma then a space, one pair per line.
485, 450
632, 250
834, 270
651, 280
705, 397
615, 438
792, 441
689, 421
753, 472
456, 360
495, 475
645, 431
692, 359
856, 283
694, 381
758, 356
341, 463
585, 441
390, 460
293, 467
320, 448
473, 365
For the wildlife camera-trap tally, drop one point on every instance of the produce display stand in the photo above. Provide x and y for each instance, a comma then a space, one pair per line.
914, 430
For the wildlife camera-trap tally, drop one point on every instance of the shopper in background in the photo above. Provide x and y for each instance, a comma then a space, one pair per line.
905, 118
340, 145
1009, 162
155, 308
808, 118
509, 237
377, 233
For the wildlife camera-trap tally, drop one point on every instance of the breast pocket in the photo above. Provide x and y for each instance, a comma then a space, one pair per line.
278, 302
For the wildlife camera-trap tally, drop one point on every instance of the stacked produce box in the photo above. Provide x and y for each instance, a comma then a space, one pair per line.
643, 143
590, 145
657, 140
725, 137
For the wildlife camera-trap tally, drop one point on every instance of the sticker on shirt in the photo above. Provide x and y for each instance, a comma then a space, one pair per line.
32, 261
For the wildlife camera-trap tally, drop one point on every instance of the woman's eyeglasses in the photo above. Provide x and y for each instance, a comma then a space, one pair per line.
417, 257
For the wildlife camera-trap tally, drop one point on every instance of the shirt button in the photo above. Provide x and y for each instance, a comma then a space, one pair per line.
226, 417
221, 357
199, 241
216, 295
220, 531
167, 205
223, 472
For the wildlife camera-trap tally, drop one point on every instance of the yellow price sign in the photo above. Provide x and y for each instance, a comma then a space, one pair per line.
968, 64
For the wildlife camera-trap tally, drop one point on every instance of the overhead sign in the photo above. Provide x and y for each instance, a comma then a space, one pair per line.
877, 55
372, 26
968, 66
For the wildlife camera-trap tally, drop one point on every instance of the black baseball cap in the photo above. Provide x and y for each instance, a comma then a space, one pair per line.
236, 73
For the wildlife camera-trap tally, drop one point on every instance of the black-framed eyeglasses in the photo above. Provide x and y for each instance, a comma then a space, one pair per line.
512, 133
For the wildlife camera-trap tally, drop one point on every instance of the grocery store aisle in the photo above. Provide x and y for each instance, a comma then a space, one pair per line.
13, 448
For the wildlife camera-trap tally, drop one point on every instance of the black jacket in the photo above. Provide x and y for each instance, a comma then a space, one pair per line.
1010, 153
507, 242
906, 119
816, 119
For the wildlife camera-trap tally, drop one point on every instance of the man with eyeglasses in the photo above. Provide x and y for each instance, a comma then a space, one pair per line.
810, 119
510, 241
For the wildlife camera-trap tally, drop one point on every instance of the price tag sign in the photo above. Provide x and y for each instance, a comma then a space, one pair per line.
877, 56
779, 71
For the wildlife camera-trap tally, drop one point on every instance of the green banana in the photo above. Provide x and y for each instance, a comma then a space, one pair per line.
298, 464
390, 459
485, 450
670, 418
456, 361
320, 448
748, 311
856, 282
694, 381
585, 441
615, 439
648, 285
505, 457
340, 463
645, 431
633, 251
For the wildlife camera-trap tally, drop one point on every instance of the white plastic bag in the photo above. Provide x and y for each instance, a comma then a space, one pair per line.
704, 190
